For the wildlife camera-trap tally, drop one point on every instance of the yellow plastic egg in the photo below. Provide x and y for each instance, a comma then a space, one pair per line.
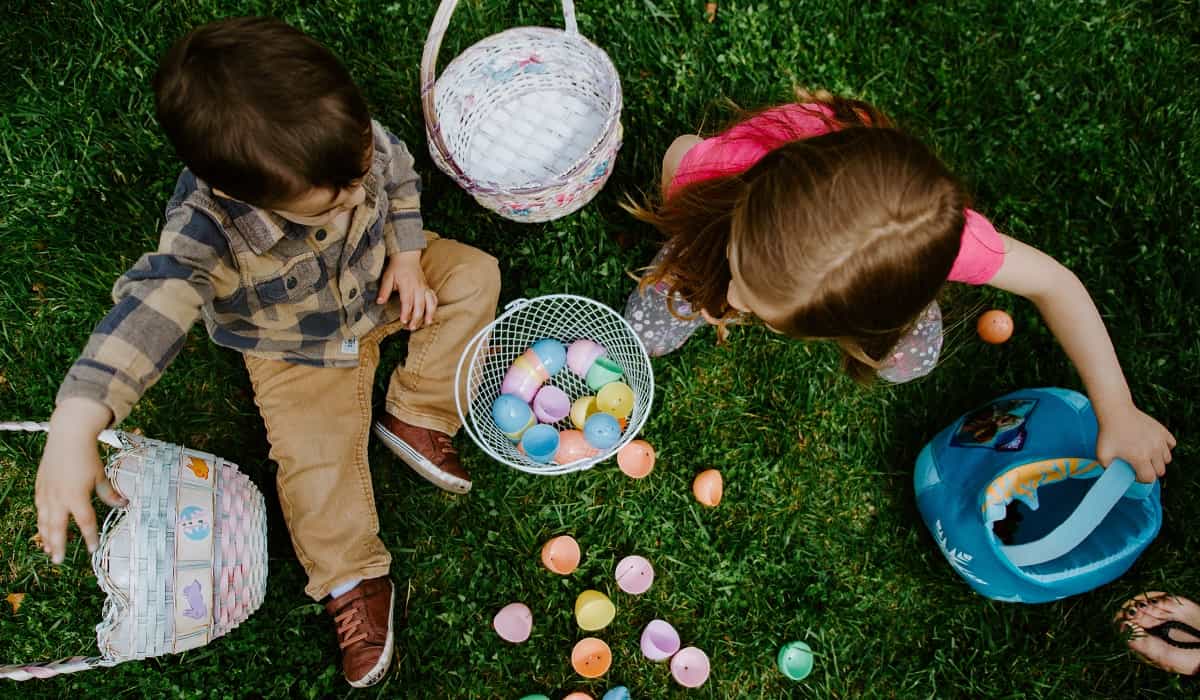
581, 410
615, 399
593, 610
708, 487
636, 459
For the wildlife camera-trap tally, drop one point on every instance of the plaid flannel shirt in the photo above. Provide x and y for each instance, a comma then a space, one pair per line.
264, 286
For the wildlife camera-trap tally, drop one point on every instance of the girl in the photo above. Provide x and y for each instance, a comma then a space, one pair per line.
823, 221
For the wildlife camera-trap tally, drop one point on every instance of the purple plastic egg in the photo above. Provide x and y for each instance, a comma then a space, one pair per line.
634, 574
659, 640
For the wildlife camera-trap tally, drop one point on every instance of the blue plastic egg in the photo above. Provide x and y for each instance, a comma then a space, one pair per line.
620, 692
512, 416
552, 353
540, 442
601, 431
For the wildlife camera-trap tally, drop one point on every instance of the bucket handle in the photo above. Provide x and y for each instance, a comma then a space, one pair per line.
433, 44
1117, 481
72, 664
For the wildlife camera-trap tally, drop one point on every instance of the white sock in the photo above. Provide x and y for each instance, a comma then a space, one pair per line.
342, 589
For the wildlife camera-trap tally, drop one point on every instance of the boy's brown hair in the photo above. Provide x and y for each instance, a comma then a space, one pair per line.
847, 236
261, 111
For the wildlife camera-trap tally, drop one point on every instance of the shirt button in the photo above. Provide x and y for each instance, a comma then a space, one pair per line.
321, 235
291, 283
358, 317
353, 292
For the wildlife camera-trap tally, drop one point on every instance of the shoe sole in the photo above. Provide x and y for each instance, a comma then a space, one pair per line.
418, 463
380, 669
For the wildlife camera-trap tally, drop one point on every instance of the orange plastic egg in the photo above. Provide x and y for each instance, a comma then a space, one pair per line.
995, 327
561, 554
708, 487
572, 447
591, 657
636, 459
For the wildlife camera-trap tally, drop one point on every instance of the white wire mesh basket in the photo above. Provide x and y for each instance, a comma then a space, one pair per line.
566, 318
528, 121
183, 563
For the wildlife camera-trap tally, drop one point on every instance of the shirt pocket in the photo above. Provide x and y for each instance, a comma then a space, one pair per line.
297, 280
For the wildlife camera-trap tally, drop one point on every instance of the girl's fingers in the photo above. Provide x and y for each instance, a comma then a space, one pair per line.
85, 518
385, 289
108, 494
406, 305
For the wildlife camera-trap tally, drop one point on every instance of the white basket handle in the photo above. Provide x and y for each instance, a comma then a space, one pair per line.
73, 664
433, 44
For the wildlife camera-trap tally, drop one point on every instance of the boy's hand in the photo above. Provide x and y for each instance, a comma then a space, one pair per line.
69, 471
1137, 438
418, 302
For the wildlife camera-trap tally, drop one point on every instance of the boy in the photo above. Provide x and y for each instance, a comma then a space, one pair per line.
295, 233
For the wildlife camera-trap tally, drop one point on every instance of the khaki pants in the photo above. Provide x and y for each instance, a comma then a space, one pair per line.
318, 419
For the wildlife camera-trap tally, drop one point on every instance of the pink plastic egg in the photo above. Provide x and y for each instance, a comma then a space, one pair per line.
513, 623
561, 554
572, 447
634, 574
636, 459
582, 354
551, 404
708, 487
690, 667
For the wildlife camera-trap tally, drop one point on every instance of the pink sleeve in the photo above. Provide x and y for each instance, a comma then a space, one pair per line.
739, 148
981, 254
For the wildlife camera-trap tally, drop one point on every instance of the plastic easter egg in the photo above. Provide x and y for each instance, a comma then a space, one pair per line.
615, 399
634, 574
708, 487
636, 459
995, 327
581, 355
601, 431
521, 381
591, 657
593, 610
512, 416
561, 554
540, 442
690, 667
551, 404
604, 371
552, 353
619, 692
572, 447
581, 410
538, 696
578, 696
795, 660
659, 640
513, 623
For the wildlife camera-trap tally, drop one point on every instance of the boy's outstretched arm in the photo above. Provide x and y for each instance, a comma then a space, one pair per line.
157, 301
1125, 431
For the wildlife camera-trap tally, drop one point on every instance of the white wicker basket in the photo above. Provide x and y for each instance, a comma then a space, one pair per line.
183, 563
527, 121
564, 317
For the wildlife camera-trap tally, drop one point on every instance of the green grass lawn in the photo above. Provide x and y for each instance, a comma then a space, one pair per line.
1077, 127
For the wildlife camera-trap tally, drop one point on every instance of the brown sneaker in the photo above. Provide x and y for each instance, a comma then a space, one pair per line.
363, 620
428, 452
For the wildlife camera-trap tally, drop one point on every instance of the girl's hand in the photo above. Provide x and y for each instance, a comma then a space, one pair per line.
69, 471
403, 275
1137, 438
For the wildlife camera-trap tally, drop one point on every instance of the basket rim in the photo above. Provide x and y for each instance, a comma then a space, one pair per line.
491, 187
472, 350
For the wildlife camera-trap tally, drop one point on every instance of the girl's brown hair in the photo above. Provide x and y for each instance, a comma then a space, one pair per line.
846, 236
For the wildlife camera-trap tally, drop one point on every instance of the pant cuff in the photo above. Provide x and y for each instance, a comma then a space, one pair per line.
423, 420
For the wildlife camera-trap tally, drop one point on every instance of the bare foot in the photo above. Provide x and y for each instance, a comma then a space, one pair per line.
1150, 610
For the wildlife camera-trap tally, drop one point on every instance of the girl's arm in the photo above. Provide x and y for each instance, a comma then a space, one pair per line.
1072, 316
